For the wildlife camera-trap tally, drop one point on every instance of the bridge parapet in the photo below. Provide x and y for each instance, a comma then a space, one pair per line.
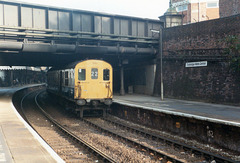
58, 30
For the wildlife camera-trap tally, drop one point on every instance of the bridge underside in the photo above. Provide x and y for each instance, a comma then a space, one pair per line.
49, 59
33, 47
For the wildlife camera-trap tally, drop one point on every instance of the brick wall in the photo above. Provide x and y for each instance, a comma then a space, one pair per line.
203, 35
202, 41
229, 7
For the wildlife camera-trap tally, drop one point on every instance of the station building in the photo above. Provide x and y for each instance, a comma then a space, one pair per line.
20, 75
196, 10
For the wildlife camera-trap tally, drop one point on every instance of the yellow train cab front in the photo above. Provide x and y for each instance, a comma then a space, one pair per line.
93, 80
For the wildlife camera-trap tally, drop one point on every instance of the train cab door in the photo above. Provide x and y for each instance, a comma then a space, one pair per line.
80, 84
107, 83
99, 83
94, 90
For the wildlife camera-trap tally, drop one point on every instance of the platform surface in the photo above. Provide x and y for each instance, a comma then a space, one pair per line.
229, 115
17, 142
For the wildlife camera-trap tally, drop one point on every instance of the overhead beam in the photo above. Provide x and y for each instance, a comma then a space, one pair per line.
78, 49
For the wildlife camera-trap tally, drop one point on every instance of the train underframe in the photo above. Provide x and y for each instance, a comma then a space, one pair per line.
90, 111
94, 108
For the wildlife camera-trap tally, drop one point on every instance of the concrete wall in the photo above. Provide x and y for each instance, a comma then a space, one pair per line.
138, 79
198, 42
149, 85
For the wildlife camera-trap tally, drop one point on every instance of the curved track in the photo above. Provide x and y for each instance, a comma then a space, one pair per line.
99, 140
125, 153
70, 147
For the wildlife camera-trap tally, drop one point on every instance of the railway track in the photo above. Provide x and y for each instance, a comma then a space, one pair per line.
65, 143
161, 156
193, 150
153, 153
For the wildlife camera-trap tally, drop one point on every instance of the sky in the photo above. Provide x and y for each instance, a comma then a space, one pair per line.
151, 9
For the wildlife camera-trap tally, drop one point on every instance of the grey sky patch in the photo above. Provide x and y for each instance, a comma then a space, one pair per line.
138, 8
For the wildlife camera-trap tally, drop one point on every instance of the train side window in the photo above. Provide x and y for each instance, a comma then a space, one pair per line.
94, 73
66, 78
62, 77
81, 74
106, 74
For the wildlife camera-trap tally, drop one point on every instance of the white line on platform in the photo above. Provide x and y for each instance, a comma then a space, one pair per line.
162, 109
41, 141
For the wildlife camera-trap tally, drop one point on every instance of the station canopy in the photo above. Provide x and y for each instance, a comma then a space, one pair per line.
2, 68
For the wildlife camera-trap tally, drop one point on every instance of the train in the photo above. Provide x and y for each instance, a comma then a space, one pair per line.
82, 83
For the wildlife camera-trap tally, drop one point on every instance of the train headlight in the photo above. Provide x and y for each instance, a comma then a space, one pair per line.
108, 102
81, 102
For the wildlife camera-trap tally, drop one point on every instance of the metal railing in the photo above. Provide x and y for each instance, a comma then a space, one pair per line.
21, 33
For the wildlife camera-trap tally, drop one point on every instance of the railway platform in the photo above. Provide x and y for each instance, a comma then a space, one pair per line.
224, 114
210, 124
18, 141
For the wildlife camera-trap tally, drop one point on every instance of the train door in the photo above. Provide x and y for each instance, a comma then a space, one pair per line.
60, 81
106, 83
93, 87
80, 85
99, 83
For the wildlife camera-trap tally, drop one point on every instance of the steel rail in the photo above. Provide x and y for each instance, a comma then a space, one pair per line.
100, 154
203, 153
23, 112
150, 150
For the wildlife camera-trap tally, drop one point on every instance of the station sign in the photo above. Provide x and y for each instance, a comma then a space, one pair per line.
196, 64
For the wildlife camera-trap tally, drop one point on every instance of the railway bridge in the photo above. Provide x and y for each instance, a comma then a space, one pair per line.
33, 35
47, 36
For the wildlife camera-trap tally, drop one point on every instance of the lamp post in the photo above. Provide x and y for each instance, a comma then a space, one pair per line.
160, 51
